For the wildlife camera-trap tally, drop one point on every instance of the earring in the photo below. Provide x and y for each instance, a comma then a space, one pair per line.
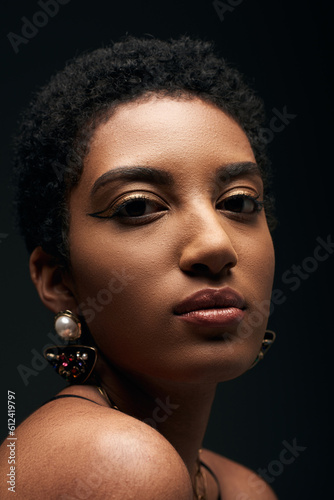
67, 325
267, 342
73, 362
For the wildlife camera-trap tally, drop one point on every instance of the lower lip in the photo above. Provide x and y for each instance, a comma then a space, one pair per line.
225, 317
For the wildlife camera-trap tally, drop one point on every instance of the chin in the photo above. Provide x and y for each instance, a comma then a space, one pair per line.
212, 369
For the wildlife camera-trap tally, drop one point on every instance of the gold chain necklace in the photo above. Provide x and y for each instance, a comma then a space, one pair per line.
199, 485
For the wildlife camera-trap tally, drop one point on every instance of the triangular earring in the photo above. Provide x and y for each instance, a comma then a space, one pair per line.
73, 362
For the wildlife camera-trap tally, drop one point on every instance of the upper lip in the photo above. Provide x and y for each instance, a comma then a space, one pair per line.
211, 298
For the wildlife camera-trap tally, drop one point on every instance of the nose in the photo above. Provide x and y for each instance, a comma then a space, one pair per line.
208, 248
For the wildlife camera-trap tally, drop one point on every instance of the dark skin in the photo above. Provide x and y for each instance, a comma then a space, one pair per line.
183, 237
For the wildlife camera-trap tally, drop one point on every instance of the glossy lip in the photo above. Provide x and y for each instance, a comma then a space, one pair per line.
212, 307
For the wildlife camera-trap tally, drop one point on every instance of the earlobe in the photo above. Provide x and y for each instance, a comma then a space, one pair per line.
49, 279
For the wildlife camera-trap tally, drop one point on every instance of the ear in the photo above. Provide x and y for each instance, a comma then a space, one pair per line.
52, 282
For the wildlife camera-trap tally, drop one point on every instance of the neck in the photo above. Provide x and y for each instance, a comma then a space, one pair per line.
179, 411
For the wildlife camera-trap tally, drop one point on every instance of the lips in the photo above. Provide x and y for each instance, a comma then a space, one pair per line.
210, 298
212, 307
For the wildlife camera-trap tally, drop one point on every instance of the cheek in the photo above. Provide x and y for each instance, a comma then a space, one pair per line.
257, 263
118, 289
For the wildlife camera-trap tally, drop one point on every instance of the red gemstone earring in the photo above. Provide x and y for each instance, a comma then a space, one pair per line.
267, 342
73, 362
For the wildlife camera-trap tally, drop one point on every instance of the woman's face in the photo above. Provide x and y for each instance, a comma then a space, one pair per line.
165, 208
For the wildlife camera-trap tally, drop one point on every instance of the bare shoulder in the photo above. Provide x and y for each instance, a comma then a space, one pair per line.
236, 481
72, 448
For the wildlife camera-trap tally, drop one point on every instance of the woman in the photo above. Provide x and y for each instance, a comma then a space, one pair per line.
144, 202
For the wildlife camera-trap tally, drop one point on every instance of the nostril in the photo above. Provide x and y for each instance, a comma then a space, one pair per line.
203, 269
200, 268
230, 266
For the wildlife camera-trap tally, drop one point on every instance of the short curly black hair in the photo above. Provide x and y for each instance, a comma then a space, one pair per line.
55, 129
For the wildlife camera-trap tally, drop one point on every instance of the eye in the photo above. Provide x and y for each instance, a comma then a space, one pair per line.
134, 209
241, 204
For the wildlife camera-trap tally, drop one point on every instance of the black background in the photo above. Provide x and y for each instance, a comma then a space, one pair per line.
284, 50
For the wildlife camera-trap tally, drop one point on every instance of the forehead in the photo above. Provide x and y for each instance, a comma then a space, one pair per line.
168, 132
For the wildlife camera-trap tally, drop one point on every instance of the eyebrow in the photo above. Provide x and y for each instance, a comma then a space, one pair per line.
161, 177
134, 173
227, 172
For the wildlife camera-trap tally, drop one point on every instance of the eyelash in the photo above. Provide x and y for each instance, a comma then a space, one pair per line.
116, 210
141, 219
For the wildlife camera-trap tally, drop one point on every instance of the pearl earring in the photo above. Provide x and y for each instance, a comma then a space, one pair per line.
75, 363
67, 325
